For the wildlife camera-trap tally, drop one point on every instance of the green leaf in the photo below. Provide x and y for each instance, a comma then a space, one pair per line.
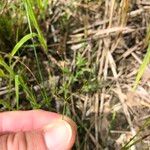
31, 17
142, 68
17, 90
2, 74
5, 104
8, 69
21, 42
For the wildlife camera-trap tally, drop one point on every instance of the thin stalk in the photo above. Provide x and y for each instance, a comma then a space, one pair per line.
36, 56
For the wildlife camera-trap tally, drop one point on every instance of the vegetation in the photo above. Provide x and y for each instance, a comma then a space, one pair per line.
87, 59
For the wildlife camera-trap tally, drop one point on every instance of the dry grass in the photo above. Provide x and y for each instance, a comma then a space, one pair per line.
95, 49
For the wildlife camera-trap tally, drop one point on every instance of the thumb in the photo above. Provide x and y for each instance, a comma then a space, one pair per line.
60, 135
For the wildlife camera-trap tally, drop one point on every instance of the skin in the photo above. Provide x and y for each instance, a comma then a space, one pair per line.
25, 130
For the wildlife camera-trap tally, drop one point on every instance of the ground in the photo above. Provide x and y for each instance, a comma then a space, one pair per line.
87, 59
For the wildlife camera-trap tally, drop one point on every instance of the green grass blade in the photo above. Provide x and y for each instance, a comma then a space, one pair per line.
40, 4
2, 74
30, 13
9, 69
35, 53
45, 3
142, 68
17, 90
21, 42
5, 104
29, 93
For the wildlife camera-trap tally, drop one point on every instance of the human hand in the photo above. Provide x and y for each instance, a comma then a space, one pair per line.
36, 130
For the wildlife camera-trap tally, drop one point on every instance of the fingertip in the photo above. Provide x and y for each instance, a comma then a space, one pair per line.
61, 134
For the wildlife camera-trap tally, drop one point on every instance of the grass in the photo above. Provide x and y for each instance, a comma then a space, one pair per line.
87, 59
143, 66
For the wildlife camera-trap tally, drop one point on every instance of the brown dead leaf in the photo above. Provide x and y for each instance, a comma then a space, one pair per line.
146, 75
138, 99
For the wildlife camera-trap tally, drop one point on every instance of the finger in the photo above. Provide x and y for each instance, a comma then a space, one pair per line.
59, 135
26, 120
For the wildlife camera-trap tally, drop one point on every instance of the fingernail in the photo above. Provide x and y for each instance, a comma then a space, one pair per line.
58, 135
